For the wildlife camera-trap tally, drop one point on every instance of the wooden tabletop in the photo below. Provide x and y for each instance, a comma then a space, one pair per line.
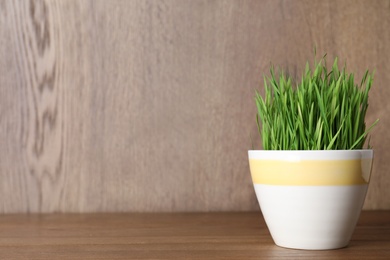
172, 236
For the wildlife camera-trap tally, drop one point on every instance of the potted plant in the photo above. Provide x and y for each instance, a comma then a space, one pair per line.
312, 175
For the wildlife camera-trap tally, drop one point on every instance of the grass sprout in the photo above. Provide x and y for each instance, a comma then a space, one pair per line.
324, 111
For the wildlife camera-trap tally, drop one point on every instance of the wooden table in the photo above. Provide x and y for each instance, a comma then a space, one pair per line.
171, 236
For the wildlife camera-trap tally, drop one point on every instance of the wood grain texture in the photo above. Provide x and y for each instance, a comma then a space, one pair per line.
148, 105
172, 236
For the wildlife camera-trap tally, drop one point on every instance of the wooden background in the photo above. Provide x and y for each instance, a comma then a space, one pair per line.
148, 105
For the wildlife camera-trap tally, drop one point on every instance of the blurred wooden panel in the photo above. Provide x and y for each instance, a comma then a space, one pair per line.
148, 105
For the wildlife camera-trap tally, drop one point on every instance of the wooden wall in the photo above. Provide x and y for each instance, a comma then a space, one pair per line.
138, 105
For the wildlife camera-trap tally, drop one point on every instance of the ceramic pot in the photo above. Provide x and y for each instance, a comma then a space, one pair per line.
311, 199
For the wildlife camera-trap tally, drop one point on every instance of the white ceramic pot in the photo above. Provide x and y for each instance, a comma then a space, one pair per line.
311, 199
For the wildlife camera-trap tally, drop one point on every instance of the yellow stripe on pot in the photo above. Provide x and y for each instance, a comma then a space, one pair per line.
311, 172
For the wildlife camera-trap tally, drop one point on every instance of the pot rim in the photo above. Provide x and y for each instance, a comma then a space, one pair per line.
296, 155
